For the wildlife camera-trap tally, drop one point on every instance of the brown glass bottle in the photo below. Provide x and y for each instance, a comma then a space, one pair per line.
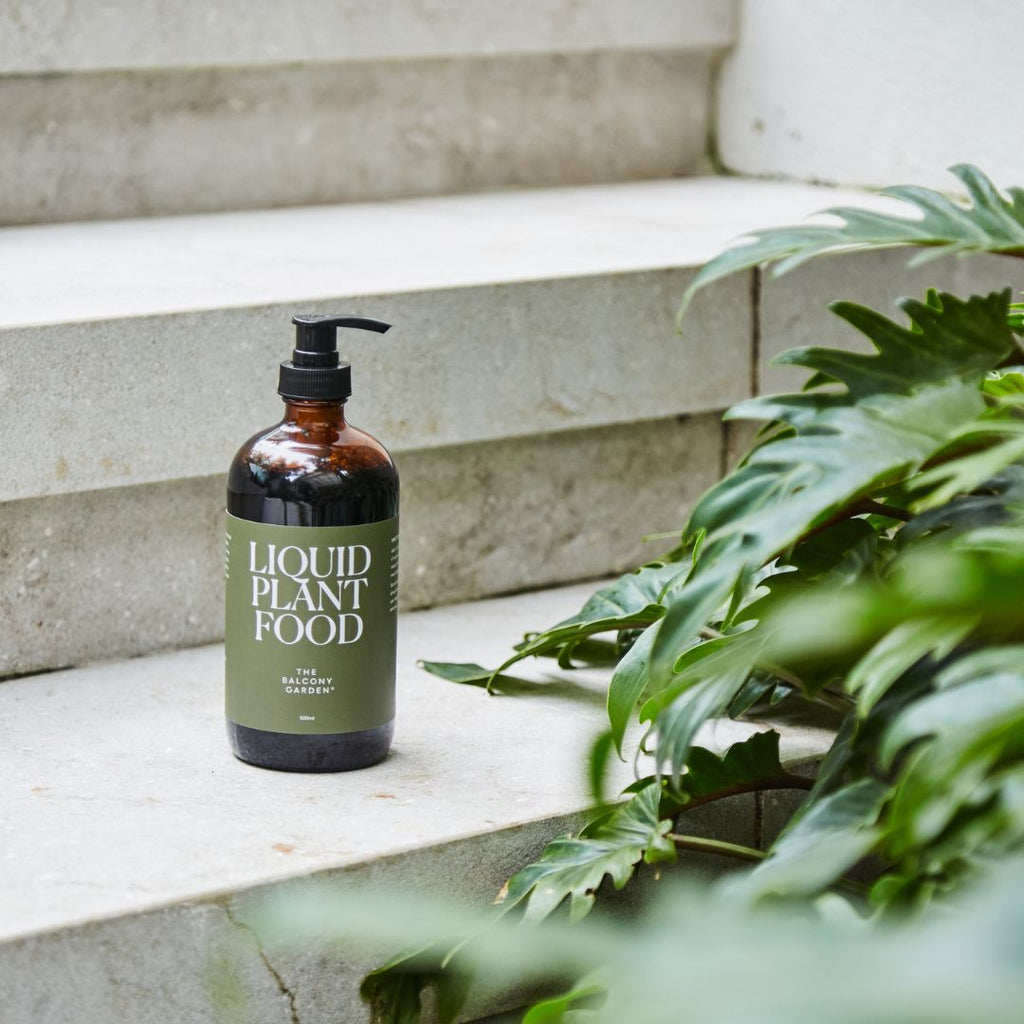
313, 469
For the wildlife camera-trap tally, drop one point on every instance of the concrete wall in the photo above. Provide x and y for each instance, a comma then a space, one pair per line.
874, 92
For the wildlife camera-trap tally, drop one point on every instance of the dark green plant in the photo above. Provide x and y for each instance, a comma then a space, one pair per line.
868, 553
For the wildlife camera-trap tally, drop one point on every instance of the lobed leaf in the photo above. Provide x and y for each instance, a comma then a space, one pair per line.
819, 847
990, 222
632, 601
845, 446
574, 868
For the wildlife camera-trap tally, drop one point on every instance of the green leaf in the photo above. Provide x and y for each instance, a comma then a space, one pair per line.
989, 661
758, 688
394, 991
1008, 381
964, 732
597, 765
611, 846
845, 446
965, 473
993, 505
709, 678
467, 672
632, 601
618, 839
990, 223
553, 1011
751, 761
899, 649
696, 957
748, 764
816, 850
627, 685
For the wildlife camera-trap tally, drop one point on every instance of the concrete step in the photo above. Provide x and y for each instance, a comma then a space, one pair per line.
531, 388
134, 845
167, 332
544, 412
122, 111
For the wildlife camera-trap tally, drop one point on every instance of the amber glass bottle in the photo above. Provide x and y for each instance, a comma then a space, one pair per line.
312, 574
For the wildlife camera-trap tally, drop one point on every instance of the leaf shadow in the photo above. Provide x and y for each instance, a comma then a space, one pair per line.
558, 686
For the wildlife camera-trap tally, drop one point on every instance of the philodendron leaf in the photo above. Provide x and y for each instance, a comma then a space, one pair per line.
822, 844
991, 222
1007, 382
632, 601
899, 649
553, 1011
627, 684
394, 991
467, 672
844, 446
750, 764
709, 677
612, 846
616, 841
963, 732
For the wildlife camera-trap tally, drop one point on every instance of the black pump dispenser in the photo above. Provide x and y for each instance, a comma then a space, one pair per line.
314, 372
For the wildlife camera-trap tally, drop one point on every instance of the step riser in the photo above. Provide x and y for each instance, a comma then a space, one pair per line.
211, 970
216, 967
162, 398
121, 144
124, 571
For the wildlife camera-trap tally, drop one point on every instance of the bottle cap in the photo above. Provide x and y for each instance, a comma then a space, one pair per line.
314, 371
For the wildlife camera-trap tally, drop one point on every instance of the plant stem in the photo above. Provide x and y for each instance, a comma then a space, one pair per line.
701, 845
889, 511
785, 781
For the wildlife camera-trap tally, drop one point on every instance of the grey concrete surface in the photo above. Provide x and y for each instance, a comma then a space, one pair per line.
143, 143
515, 313
55, 35
126, 571
133, 857
158, 399
518, 514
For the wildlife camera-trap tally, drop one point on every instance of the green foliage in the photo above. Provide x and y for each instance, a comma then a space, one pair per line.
613, 844
633, 601
867, 554
991, 222
696, 956
819, 846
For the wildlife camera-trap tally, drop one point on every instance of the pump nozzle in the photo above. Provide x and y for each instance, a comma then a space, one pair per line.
314, 371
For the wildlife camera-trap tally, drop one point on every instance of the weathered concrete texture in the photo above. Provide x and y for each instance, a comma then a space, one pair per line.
185, 964
208, 963
133, 858
794, 310
154, 399
219, 962
125, 144
111, 573
739, 436
124, 571
506, 516
54, 35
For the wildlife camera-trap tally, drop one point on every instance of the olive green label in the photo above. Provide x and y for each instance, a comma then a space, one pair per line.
310, 626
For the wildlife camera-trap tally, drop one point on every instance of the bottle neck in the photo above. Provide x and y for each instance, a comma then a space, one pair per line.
309, 414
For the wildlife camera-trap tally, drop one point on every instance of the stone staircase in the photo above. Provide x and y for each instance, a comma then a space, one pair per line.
524, 191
